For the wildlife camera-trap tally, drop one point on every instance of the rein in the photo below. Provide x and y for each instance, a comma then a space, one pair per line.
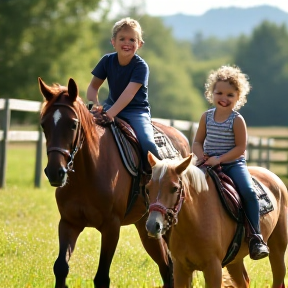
170, 214
77, 144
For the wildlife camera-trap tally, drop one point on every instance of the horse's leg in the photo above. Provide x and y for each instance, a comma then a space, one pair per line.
182, 278
213, 274
68, 235
158, 251
109, 241
277, 244
238, 274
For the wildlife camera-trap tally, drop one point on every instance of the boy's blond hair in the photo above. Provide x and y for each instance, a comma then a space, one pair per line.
127, 22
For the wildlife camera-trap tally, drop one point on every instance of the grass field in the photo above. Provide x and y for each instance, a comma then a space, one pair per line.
29, 243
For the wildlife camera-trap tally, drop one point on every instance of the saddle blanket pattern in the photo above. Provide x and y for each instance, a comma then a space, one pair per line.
164, 144
264, 201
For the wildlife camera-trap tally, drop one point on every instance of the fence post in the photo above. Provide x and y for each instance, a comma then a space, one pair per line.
3, 154
260, 152
268, 153
38, 164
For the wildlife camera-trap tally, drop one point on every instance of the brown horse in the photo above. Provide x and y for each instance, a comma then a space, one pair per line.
97, 193
204, 230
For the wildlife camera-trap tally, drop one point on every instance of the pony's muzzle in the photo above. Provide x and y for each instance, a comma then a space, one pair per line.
154, 224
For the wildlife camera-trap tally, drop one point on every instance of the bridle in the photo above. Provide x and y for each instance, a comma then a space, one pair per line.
77, 143
170, 214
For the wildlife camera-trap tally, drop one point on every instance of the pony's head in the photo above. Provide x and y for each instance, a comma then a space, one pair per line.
172, 182
66, 122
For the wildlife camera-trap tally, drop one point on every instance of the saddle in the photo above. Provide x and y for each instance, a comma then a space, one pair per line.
232, 203
130, 151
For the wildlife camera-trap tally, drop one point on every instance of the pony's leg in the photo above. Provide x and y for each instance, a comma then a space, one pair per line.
68, 235
182, 278
277, 244
158, 251
238, 274
213, 274
109, 241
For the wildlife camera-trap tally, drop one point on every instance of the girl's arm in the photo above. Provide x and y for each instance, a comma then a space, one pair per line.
93, 88
124, 99
240, 133
197, 146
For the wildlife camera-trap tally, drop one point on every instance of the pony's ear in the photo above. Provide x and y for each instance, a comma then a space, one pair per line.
72, 90
183, 164
152, 159
45, 89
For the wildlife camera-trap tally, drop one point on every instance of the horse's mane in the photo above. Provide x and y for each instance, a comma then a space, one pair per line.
191, 177
85, 117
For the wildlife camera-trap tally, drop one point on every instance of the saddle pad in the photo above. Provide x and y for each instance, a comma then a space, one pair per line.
164, 144
264, 201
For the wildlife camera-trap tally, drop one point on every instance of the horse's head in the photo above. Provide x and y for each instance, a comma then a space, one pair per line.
166, 193
61, 125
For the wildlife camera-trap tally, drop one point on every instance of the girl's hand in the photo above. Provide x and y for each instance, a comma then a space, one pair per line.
213, 161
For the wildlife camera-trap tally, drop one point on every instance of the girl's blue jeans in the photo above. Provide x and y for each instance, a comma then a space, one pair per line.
241, 177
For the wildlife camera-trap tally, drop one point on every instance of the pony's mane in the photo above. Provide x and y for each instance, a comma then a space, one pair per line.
191, 177
85, 117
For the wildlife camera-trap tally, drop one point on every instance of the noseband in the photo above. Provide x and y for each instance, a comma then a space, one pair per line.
77, 143
170, 214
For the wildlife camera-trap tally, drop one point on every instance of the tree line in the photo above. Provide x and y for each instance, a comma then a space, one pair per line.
59, 39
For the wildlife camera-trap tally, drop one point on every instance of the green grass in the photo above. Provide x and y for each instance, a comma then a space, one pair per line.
29, 242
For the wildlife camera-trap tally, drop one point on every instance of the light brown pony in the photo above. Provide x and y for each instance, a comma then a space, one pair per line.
93, 184
204, 230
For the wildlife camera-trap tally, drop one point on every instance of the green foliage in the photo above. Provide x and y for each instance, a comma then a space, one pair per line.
41, 38
264, 57
59, 39
206, 49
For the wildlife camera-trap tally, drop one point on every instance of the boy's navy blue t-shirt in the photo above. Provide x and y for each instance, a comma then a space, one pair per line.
118, 78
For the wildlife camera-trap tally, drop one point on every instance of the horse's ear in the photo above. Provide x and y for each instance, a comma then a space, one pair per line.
45, 89
72, 89
183, 164
152, 159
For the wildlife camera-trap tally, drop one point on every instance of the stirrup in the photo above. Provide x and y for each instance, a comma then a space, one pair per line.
258, 249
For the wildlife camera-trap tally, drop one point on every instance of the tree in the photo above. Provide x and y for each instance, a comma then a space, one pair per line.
264, 57
44, 38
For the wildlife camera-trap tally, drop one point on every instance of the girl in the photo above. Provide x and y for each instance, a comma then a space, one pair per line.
127, 75
222, 138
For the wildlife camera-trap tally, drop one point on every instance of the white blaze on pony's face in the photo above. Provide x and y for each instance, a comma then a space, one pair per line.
56, 116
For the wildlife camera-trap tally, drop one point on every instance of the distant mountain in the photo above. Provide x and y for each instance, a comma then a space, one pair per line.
224, 22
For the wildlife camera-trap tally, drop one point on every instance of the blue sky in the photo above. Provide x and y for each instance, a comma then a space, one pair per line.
166, 7
198, 7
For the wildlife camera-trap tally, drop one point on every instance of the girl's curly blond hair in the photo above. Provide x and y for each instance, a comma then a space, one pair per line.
235, 77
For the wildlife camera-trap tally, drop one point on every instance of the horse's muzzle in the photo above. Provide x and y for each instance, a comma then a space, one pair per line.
56, 178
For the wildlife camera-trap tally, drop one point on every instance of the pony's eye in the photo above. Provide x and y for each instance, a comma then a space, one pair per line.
174, 189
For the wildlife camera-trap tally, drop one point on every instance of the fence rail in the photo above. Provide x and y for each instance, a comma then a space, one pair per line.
260, 151
6, 136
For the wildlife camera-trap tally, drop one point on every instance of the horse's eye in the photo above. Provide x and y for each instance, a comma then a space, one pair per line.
74, 126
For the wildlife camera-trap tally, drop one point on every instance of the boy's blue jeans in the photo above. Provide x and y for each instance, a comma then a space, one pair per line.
142, 126
241, 177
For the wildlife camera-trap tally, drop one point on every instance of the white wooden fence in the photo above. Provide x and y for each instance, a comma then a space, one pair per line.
259, 149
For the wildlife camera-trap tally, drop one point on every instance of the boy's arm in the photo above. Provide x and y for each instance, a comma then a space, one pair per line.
124, 99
